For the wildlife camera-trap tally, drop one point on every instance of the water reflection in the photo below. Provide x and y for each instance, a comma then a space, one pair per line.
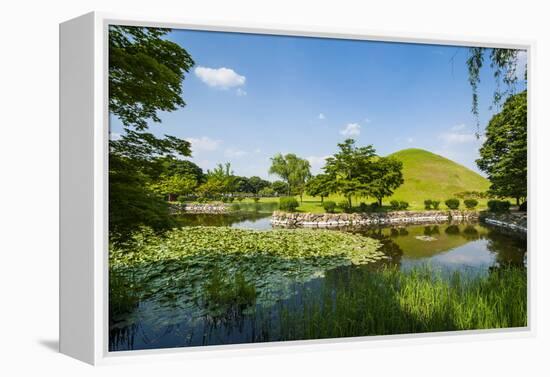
138, 321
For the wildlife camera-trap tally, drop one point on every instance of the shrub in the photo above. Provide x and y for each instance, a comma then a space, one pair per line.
498, 205
230, 199
240, 198
435, 204
345, 206
470, 203
235, 207
266, 192
329, 206
523, 206
182, 198
256, 199
363, 207
403, 205
452, 203
394, 204
428, 204
288, 203
374, 206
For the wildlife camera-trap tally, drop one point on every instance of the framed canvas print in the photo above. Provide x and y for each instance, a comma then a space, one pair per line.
224, 186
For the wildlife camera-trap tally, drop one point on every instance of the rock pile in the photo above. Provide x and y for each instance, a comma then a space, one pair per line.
347, 219
207, 208
513, 220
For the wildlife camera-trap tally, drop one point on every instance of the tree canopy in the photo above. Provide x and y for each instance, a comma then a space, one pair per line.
385, 178
358, 171
504, 63
291, 169
320, 185
350, 169
146, 73
504, 152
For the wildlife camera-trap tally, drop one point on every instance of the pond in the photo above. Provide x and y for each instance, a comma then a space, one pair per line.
472, 249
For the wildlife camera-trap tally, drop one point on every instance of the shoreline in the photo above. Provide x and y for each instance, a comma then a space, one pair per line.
330, 220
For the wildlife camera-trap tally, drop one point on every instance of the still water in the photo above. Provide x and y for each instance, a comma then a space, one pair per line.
472, 248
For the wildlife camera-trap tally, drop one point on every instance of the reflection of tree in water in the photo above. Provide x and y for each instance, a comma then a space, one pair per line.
391, 249
452, 229
470, 233
227, 219
431, 230
509, 249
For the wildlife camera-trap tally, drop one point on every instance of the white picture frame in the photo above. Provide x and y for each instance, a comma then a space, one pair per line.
84, 133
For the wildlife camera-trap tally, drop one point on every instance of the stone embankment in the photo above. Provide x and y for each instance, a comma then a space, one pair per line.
206, 208
325, 220
516, 221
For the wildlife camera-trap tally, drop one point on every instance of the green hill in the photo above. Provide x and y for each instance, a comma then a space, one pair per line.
431, 176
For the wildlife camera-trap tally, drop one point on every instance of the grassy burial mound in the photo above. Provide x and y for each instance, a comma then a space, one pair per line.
431, 176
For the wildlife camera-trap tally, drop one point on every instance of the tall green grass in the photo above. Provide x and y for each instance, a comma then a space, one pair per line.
395, 302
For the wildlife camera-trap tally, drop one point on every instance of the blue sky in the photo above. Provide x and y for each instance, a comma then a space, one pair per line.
252, 96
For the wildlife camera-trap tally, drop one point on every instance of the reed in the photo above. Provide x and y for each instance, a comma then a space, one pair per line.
395, 302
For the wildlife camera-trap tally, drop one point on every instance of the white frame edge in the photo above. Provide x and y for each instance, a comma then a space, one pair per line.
84, 131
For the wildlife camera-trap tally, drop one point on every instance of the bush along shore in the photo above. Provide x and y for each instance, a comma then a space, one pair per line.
281, 218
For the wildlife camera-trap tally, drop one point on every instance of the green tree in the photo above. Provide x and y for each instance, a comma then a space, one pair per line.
504, 64
221, 177
385, 178
212, 188
266, 192
504, 152
350, 169
280, 187
293, 170
242, 185
175, 185
145, 76
320, 185
257, 183
186, 168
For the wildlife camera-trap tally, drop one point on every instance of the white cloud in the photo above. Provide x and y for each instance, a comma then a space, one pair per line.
457, 138
241, 92
321, 116
203, 143
234, 153
367, 120
351, 129
223, 78
410, 140
317, 162
458, 127
257, 150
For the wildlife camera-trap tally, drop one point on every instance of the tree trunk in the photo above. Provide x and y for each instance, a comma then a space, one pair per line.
349, 201
517, 201
322, 199
380, 202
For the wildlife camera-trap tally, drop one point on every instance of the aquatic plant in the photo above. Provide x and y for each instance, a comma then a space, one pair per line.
423, 299
175, 269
